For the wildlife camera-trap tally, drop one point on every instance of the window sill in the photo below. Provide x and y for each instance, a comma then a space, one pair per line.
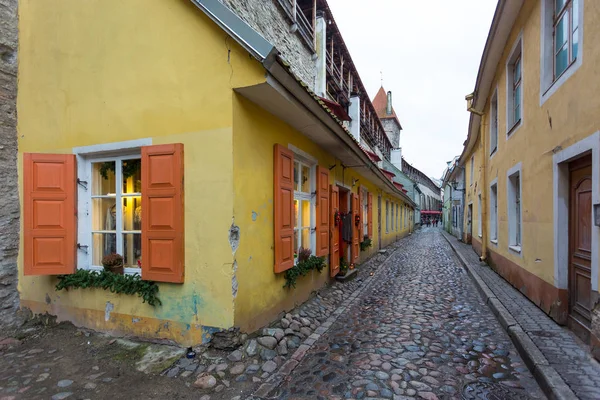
514, 128
480, 236
495, 241
516, 249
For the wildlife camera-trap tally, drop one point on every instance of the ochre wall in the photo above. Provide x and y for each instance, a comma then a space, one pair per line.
104, 71
261, 296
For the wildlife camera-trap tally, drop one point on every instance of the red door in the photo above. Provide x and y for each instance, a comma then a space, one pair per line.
334, 231
580, 247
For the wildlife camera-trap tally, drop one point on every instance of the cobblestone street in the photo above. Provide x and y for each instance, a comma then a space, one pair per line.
420, 330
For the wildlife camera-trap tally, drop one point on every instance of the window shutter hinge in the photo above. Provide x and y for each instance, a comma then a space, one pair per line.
83, 247
83, 184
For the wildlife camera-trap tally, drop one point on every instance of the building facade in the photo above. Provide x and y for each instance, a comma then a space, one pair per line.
209, 165
532, 161
430, 196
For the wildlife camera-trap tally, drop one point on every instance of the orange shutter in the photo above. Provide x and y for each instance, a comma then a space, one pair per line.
322, 210
162, 213
370, 213
49, 214
283, 207
361, 215
334, 246
355, 250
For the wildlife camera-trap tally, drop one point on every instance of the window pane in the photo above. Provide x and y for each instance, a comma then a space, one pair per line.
562, 32
575, 13
575, 48
296, 176
103, 245
561, 61
517, 114
296, 243
305, 179
305, 223
132, 250
103, 178
104, 214
132, 176
517, 71
558, 5
132, 213
305, 238
517, 104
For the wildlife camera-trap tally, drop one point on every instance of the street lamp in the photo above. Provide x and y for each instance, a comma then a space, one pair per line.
455, 186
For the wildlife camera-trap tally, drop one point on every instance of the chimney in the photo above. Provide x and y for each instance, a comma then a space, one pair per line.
321, 62
388, 109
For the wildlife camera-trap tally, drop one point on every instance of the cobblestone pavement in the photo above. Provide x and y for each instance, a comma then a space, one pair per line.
563, 350
421, 330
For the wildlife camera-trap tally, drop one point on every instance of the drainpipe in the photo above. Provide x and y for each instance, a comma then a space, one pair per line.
484, 208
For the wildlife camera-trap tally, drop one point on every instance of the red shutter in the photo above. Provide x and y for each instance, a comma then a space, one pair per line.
322, 210
283, 207
370, 214
355, 251
162, 213
49, 214
334, 246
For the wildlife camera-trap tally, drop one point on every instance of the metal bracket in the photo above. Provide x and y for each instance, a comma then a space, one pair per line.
83, 247
83, 184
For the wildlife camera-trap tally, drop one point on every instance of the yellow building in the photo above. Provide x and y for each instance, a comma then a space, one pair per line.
174, 134
531, 159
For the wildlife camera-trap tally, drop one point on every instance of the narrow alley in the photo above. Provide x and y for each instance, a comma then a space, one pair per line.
421, 329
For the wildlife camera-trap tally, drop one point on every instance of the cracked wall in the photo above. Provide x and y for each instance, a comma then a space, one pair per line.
9, 200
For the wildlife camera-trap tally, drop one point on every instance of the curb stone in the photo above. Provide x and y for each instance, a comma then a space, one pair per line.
284, 371
549, 380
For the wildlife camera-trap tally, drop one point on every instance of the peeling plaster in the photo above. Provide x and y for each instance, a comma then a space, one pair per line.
254, 216
234, 281
109, 307
234, 237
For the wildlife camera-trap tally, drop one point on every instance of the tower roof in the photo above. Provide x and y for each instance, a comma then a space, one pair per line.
380, 104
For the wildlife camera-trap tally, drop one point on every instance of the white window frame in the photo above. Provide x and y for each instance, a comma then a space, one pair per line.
494, 123
85, 155
387, 216
494, 211
548, 84
305, 160
514, 183
516, 53
472, 169
479, 224
365, 206
392, 216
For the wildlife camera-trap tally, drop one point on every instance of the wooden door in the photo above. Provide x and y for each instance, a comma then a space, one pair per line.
469, 223
580, 246
334, 231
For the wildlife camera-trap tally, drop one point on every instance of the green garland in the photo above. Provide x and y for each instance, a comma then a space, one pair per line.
116, 283
366, 243
301, 269
130, 168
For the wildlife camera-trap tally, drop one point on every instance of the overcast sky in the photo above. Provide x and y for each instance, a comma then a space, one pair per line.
429, 52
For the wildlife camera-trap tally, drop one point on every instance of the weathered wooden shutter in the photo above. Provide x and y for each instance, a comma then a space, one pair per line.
49, 214
334, 246
283, 207
163, 213
370, 214
322, 210
355, 252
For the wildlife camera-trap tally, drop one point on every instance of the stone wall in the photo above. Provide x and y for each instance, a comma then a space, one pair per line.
268, 19
9, 193
392, 130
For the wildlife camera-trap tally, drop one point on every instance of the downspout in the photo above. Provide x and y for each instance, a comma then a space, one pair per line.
484, 208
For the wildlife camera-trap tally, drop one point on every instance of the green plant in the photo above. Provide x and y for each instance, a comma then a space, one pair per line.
366, 243
343, 266
125, 284
302, 268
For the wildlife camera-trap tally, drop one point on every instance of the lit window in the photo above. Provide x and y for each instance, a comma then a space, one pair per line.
303, 206
116, 210
365, 204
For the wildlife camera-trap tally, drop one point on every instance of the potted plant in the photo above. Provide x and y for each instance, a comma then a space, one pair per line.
113, 263
343, 266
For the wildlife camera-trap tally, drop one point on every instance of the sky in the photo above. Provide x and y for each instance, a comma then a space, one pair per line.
428, 52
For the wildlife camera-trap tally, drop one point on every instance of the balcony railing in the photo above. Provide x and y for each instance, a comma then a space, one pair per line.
305, 27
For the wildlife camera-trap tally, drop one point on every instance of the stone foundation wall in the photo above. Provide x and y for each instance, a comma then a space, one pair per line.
9, 192
268, 19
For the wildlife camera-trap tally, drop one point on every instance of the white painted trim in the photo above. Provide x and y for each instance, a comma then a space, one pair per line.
547, 84
560, 181
516, 169
492, 184
309, 159
106, 149
510, 127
